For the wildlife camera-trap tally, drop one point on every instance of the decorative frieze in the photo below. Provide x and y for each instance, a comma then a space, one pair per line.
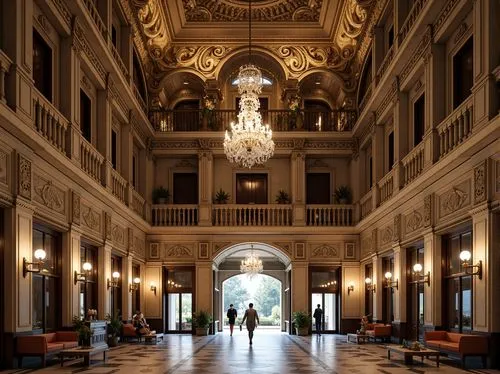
480, 183
349, 251
3, 167
413, 221
24, 177
91, 218
219, 246
139, 246
423, 46
428, 210
76, 207
300, 251
48, 194
118, 235
386, 235
284, 246
396, 237
325, 251
203, 252
107, 226
179, 251
454, 199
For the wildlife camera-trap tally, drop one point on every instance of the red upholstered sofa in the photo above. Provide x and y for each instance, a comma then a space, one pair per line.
130, 332
379, 331
461, 344
44, 344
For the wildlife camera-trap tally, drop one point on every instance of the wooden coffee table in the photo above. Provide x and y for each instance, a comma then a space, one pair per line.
357, 338
408, 353
86, 353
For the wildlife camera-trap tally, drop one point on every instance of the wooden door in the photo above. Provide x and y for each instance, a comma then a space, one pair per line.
251, 189
185, 188
318, 188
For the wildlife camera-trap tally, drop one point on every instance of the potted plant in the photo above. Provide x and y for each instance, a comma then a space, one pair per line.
282, 197
84, 332
343, 195
221, 197
114, 328
302, 321
160, 195
202, 321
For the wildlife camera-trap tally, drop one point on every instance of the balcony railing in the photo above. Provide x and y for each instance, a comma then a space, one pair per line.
456, 128
413, 163
415, 12
366, 204
278, 120
386, 186
252, 215
329, 215
118, 186
91, 160
175, 215
94, 14
140, 99
138, 203
119, 61
49, 122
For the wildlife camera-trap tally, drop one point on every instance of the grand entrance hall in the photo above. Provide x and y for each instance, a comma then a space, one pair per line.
336, 163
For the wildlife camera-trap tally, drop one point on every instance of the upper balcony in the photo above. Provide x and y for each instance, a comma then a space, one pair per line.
166, 120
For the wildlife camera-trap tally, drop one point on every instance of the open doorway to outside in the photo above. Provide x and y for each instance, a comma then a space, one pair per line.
262, 290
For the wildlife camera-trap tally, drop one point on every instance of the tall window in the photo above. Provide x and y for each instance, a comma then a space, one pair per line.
185, 188
390, 155
116, 292
114, 149
42, 65
137, 76
47, 283
251, 188
415, 294
458, 284
136, 296
388, 293
318, 188
86, 116
418, 120
463, 73
368, 293
366, 79
88, 289
134, 171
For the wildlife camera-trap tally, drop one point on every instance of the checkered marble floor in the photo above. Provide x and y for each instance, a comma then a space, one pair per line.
271, 352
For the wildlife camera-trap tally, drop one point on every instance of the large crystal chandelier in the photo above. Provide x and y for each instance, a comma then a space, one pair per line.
250, 142
251, 265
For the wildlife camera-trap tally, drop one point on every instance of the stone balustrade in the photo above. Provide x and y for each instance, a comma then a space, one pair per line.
96, 18
140, 99
455, 128
386, 186
118, 186
413, 163
175, 215
252, 215
408, 24
49, 122
138, 203
91, 160
329, 215
5, 64
366, 204
119, 61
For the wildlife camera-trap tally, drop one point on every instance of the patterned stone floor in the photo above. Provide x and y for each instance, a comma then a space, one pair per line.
272, 352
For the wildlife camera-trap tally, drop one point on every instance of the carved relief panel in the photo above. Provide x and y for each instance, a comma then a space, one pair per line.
48, 194
413, 221
454, 199
178, 251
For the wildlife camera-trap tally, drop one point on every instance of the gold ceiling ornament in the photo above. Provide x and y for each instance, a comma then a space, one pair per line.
151, 18
264, 11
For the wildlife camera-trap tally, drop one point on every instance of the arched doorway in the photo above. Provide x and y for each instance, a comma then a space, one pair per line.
276, 266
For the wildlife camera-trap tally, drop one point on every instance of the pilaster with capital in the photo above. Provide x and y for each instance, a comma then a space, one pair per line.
379, 287
104, 294
378, 52
127, 279
104, 113
70, 299
400, 292
297, 173
205, 178
127, 152
377, 160
435, 94
400, 136
432, 294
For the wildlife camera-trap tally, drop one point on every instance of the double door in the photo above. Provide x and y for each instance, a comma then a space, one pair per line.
180, 312
329, 305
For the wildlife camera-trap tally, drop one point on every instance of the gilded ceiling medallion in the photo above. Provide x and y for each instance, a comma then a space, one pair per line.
264, 10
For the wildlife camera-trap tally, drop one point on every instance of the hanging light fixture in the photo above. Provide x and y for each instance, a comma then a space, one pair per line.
251, 265
250, 142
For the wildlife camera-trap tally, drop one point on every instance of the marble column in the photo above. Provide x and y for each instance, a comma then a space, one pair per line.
104, 273
205, 178
399, 293
378, 287
400, 137
104, 113
300, 286
298, 190
433, 294
70, 299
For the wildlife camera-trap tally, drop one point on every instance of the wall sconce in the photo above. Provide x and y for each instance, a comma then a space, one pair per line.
35, 266
82, 277
114, 283
350, 288
389, 283
465, 257
135, 285
426, 278
152, 286
369, 285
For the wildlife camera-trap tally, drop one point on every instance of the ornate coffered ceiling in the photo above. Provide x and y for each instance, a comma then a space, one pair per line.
200, 36
263, 10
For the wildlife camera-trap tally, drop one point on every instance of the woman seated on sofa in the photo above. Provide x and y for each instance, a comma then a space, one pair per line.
141, 325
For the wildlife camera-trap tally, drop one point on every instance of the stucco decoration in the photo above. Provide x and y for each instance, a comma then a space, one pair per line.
413, 222
428, 206
139, 246
454, 199
325, 251
350, 251
107, 225
498, 176
203, 253
179, 251
374, 240
386, 235
118, 235
76, 207
154, 250
219, 246
24, 177
300, 251
286, 247
91, 218
237, 11
366, 244
480, 183
48, 194
3, 167
397, 228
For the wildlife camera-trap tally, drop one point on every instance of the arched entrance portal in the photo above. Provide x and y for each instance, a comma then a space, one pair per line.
277, 266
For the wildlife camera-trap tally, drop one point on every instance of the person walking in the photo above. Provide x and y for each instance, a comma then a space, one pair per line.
232, 314
318, 314
252, 319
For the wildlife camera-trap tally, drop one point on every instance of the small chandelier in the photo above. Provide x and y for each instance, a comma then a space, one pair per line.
250, 142
251, 265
